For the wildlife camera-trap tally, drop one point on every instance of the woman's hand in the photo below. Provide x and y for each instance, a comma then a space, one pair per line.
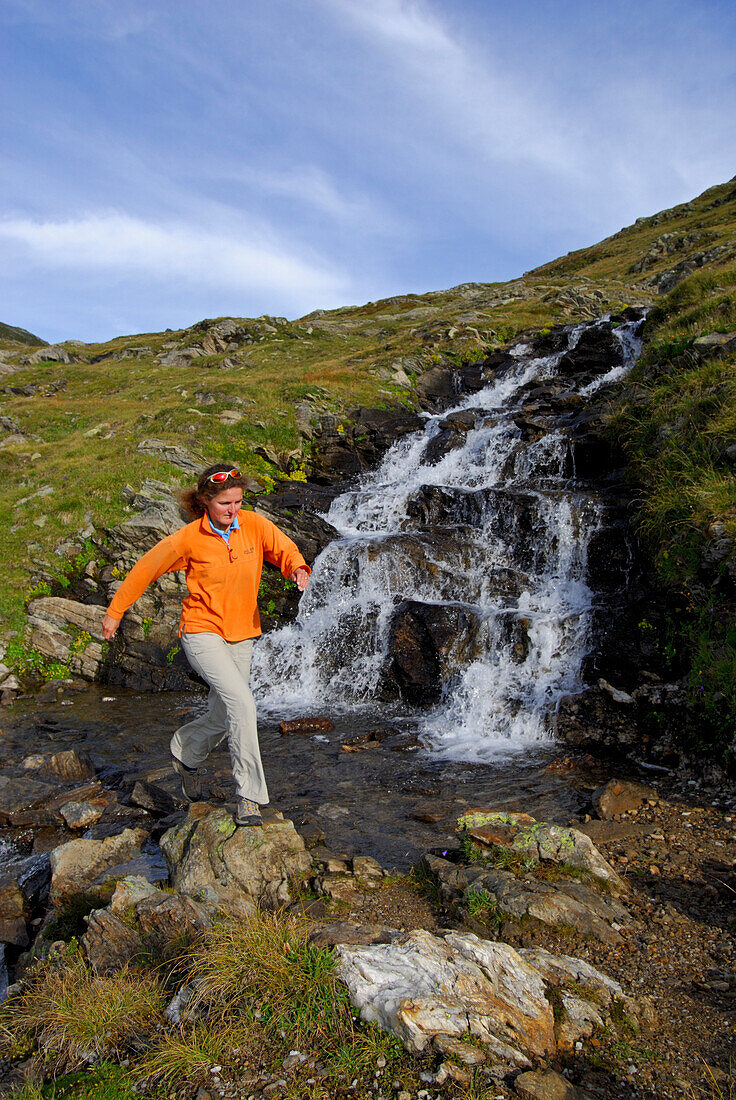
300, 578
109, 626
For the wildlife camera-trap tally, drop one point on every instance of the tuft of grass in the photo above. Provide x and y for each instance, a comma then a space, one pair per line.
73, 1016
270, 963
190, 1053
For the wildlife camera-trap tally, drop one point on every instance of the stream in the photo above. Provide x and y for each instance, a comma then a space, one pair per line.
477, 529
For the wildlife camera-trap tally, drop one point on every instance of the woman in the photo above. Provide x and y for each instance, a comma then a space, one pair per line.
221, 553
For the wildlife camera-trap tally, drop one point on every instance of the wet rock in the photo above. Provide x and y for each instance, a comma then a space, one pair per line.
341, 450
234, 868
149, 796
425, 639
23, 887
77, 864
593, 721
69, 765
80, 815
311, 533
437, 387
619, 796
22, 801
306, 725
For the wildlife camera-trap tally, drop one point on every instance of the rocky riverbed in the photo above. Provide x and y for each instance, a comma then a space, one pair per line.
635, 877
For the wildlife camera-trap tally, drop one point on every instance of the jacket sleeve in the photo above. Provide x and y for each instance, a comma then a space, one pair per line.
279, 549
165, 557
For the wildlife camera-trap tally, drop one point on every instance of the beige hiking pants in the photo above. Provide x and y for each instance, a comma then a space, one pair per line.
231, 712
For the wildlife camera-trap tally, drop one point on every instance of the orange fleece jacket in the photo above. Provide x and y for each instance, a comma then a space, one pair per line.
222, 580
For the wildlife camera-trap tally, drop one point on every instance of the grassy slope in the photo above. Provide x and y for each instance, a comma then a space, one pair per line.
676, 416
335, 361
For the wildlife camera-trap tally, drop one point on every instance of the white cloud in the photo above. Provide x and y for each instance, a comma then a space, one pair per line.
175, 251
311, 186
480, 102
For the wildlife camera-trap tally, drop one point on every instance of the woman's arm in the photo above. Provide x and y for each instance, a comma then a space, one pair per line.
165, 557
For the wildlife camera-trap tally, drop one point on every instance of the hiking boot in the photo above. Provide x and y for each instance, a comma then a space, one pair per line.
248, 812
191, 782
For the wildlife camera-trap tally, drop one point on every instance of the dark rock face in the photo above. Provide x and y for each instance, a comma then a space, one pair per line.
422, 638
342, 451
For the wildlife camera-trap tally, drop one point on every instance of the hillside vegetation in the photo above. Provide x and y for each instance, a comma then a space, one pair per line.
75, 416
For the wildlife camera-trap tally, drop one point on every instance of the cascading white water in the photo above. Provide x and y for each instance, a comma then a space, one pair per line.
507, 546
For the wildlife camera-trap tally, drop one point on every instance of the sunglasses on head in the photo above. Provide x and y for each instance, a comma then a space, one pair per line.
222, 475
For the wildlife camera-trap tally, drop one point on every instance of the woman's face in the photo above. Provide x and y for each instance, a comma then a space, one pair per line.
224, 507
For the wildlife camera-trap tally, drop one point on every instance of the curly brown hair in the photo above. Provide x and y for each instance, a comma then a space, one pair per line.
194, 501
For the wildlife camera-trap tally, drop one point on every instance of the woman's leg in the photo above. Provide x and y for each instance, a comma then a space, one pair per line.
226, 668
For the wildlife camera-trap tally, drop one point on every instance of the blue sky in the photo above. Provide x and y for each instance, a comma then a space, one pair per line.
163, 162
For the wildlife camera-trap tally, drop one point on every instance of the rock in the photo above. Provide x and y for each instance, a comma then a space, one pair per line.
149, 796
464, 1051
76, 864
140, 916
69, 631
192, 464
80, 815
109, 942
69, 765
306, 725
311, 533
55, 353
344, 932
546, 1085
422, 986
592, 721
540, 842
425, 639
484, 896
234, 868
14, 914
22, 800
23, 886
619, 796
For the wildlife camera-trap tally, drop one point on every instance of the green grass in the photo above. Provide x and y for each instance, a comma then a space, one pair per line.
105, 1082
74, 1016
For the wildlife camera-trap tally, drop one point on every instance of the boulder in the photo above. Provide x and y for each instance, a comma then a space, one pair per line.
77, 864
55, 353
450, 987
539, 842
618, 796
236, 869
141, 917
109, 942
67, 631
487, 897
192, 464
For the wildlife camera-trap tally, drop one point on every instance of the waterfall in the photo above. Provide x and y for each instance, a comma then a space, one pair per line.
480, 524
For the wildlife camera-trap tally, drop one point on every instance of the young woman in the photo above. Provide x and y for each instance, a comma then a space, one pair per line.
221, 553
